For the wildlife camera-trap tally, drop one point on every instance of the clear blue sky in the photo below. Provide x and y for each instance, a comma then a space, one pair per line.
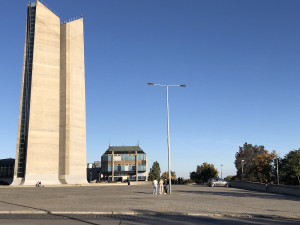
239, 59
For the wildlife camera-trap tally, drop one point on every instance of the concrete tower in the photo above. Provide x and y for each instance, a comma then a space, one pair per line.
52, 105
72, 154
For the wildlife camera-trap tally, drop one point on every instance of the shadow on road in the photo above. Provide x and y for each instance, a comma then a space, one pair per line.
242, 193
47, 212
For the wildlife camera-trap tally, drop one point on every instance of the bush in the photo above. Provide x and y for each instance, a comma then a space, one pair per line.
187, 181
230, 178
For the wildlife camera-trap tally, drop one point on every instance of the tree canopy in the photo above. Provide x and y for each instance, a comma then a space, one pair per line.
203, 173
165, 175
289, 168
256, 162
154, 171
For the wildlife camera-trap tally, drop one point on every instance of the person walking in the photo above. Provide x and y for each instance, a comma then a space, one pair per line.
161, 186
155, 186
267, 186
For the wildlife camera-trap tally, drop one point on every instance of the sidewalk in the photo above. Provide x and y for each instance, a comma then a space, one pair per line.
137, 199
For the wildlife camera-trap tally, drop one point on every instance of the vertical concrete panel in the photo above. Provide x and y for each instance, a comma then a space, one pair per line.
64, 102
16, 180
43, 138
73, 121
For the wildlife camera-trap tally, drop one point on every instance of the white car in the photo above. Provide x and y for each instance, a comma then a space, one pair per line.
216, 182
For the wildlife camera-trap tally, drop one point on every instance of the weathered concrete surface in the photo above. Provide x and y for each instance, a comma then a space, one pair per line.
186, 199
72, 152
56, 146
43, 132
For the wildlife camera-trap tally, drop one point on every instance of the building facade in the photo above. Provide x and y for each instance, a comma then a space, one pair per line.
120, 163
51, 141
94, 171
6, 171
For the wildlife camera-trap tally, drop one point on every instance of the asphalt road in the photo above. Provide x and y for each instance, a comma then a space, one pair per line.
135, 204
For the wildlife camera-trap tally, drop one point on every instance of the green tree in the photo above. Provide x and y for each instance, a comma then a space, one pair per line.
195, 175
289, 168
165, 175
256, 162
154, 171
264, 166
203, 173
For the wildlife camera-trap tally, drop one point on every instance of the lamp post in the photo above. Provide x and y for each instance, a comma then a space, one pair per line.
221, 171
168, 131
242, 169
277, 158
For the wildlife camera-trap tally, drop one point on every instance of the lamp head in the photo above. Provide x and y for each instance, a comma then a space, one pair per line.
150, 84
183, 85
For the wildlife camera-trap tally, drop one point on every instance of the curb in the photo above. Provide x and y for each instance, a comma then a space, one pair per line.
135, 213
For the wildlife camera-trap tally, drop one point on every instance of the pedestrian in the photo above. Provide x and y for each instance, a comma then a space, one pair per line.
154, 186
267, 186
161, 186
166, 186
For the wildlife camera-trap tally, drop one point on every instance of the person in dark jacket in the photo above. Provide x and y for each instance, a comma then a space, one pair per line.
166, 186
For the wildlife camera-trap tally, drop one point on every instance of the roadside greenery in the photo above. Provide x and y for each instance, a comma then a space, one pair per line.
289, 168
165, 175
203, 173
255, 161
259, 165
154, 171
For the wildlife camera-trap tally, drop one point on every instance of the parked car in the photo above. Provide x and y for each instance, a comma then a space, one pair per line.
216, 182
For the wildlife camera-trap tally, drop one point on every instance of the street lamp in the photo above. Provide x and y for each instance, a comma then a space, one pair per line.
221, 171
242, 169
168, 131
277, 171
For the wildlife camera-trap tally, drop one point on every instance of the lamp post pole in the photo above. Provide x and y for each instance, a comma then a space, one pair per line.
169, 148
243, 169
168, 130
277, 171
221, 171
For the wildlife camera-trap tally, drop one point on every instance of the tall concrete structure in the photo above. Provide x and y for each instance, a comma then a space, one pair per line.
51, 141
72, 154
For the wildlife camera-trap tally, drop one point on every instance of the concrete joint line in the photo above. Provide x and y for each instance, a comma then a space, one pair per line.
40, 212
23, 212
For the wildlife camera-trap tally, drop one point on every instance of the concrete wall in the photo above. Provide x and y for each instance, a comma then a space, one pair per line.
43, 133
72, 165
281, 189
56, 149
16, 180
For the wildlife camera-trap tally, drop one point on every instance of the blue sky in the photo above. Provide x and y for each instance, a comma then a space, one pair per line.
239, 59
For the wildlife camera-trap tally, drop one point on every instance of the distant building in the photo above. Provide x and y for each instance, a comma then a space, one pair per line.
7, 170
120, 163
93, 171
